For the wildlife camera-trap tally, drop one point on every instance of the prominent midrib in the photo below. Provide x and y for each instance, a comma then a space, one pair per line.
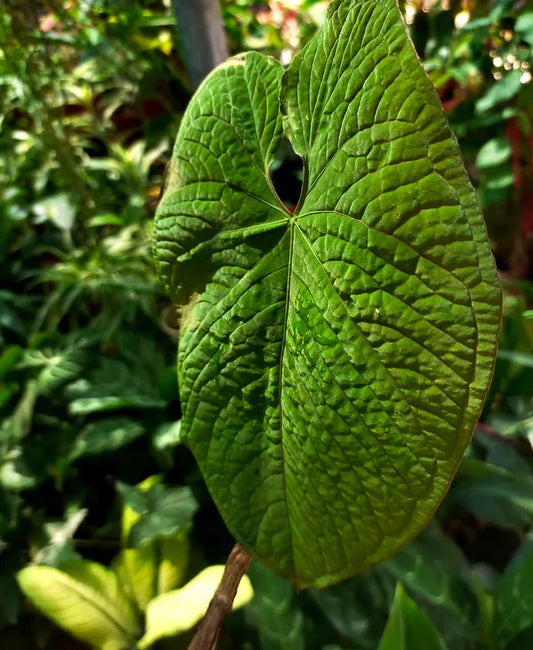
292, 226
102, 608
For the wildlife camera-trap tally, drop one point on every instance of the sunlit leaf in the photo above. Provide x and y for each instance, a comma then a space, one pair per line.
332, 361
85, 600
153, 569
181, 609
494, 152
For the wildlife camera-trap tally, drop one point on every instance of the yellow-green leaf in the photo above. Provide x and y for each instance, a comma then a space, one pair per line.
85, 599
153, 569
181, 609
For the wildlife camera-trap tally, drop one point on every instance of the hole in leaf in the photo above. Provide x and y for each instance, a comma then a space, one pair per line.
286, 173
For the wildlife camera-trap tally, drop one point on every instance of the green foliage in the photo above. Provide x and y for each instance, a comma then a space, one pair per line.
110, 608
408, 628
361, 328
190, 601
85, 599
91, 95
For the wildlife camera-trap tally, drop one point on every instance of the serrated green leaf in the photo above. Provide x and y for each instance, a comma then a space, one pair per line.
408, 628
332, 362
181, 609
85, 600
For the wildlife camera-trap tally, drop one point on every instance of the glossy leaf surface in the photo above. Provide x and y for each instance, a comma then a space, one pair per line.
332, 362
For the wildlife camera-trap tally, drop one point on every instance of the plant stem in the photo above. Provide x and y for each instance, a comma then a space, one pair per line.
206, 635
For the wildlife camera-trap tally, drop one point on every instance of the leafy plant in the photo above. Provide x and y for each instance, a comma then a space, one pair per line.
90, 96
332, 361
136, 602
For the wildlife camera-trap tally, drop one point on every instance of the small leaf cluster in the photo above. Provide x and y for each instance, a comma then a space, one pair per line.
142, 597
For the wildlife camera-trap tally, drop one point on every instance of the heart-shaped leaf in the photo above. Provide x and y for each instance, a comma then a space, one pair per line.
332, 362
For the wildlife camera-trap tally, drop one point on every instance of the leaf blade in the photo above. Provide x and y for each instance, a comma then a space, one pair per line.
332, 363
79, 604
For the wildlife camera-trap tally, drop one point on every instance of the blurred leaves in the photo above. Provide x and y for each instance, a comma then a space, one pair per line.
408, 628
514, 595
494, 494
162, 510
91, 96
274, 611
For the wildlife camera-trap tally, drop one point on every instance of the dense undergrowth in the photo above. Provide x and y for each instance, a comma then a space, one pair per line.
91, 98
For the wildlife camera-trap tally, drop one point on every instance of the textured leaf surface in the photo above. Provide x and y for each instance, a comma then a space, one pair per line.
332, 362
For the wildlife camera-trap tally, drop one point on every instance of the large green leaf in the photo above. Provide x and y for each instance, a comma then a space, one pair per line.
332, 362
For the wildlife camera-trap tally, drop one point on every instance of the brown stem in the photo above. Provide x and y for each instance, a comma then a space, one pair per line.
206, 635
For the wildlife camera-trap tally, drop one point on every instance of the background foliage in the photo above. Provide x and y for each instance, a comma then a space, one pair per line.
91, 95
